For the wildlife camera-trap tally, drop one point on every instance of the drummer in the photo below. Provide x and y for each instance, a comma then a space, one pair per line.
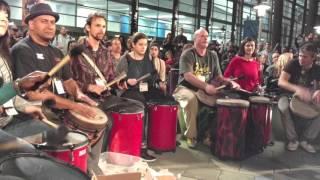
246, 65
35, 53
87, 77
136, 64
297, 77
198, 69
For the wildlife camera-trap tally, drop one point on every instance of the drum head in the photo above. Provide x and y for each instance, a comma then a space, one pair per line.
38, 167
233, 102
165, 101
73, 140
98, 122
259, 99
303, 109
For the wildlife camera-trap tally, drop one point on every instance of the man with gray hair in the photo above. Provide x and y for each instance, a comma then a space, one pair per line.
198, 69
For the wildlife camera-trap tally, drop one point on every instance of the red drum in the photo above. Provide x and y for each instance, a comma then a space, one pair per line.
37, 167
162, 126
93, 128
173, 80
74, 151
259, 124
231, 128
126, 132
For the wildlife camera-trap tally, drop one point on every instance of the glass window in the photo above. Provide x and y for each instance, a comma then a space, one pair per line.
16, 13
97, 4
16, 3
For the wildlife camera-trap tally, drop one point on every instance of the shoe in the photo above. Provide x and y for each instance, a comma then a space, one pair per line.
307, 147
293, 145
191, 143
147, 157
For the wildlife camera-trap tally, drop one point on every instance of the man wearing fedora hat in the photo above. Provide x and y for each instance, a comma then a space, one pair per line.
35, 53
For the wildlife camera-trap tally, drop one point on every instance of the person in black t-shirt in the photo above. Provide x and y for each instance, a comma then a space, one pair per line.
298, 77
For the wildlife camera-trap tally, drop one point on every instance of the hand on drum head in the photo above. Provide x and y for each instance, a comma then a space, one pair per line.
316, 97
84, 110
304, 94
86, 99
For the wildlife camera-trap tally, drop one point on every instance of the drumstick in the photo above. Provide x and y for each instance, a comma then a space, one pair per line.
54, 125
223, 86
145, 76
118, 78
74, 52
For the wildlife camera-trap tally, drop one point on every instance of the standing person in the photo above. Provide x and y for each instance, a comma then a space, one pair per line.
178, 42
297, 77
159, 65
198, 68
246, 65
35, 53
167, 43
116, 50
136, 64
62, 39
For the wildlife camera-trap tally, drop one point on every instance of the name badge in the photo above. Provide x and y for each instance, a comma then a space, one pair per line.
201, 78
11, 111
8, 104
39, 56
100, 82
143, 87
59, 86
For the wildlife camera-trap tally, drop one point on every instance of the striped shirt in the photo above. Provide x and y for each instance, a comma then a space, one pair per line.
6, 74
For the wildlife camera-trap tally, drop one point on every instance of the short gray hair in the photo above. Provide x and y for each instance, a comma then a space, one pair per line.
198, 31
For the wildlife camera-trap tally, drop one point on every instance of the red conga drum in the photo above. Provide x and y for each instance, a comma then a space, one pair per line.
231, 128
162, 125
74, 151
126, 133
259, 124
37, 166
173, 77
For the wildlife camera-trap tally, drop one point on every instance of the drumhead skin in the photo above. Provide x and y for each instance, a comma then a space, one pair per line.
233, 102
38, 167
98, 122
303, 109
259, 99
74, 140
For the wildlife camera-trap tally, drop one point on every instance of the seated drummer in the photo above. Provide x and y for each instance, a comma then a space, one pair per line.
297, 77
198, 67
87, 77
136, 64
10, 90
35, 53
246, 66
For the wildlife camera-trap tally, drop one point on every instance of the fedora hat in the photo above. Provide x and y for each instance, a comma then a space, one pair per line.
40, 9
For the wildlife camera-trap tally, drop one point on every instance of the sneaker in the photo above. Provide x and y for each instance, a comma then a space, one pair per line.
146, 157
191, 143
307, 147
293, 145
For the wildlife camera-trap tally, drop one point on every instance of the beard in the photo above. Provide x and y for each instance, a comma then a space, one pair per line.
98, 36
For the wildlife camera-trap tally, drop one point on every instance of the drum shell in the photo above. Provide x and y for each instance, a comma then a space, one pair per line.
92, 129
37, 166
231, 131
75, 154
126, 133
259, 126
162, 127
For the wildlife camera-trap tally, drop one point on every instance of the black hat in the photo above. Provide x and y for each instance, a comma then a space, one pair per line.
40, 9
